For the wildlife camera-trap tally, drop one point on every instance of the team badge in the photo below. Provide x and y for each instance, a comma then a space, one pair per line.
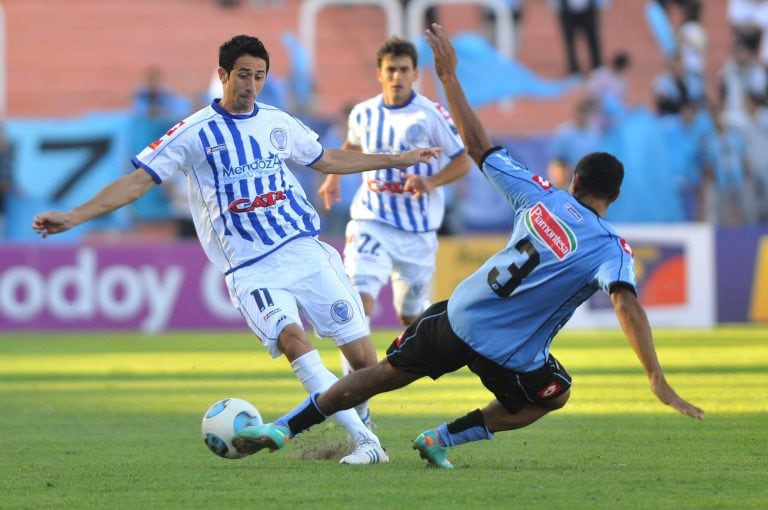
341, 311
415, 133
278, 138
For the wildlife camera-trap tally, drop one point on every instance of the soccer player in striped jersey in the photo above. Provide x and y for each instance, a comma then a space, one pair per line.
395, 214
501, 320
255, 223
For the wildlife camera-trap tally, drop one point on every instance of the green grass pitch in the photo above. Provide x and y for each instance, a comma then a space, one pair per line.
113, 421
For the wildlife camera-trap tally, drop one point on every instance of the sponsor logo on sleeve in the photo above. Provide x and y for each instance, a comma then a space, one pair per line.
154, 145
626, 247
541, 181
551, 231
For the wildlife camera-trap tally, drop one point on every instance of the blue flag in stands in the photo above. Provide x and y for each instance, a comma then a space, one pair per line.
487, 76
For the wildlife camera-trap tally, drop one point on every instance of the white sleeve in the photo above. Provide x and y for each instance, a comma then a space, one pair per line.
305, 147
163, 157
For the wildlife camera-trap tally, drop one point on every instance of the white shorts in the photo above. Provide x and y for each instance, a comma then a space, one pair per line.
306, 275
375, 251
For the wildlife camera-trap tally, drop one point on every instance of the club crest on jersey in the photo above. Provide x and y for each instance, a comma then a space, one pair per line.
550, 231
541, 181
341, 311
415, 133
626, 247
278, 138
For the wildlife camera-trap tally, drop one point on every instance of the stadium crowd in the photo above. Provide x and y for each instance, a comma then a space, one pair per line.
704, 136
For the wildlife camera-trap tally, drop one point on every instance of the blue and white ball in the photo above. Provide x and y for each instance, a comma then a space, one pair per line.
223, 420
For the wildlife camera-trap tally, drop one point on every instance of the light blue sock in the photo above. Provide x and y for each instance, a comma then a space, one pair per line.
465, 436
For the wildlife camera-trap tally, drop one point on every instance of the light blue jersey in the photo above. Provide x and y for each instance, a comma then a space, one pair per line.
559, 253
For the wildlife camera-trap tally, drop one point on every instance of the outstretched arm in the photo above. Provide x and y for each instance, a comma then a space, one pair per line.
467, 122
120, 192
634, 323
337, 161
330, 190
456, 169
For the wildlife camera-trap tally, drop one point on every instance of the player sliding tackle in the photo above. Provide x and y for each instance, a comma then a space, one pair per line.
501, 320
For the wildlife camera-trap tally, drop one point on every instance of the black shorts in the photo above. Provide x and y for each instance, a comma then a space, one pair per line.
430, 347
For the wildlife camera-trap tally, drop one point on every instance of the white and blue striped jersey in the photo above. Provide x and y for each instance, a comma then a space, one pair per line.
245, 201
559, 253
382, 129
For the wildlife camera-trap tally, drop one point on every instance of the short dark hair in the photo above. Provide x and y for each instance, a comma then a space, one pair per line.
238, 46
397, 47
600, 175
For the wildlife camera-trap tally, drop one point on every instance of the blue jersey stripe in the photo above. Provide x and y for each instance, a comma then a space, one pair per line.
236, 221
395, 211
226, 163
238, 139
254, 220
270, 215
283, 212
212, 164
408, 203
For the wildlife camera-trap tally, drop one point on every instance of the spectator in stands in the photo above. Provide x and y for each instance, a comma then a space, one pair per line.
155, 107
154, 100
572, 140
580, 18
757, 158
727, 175
692, 39
515, 8
683, 138
609, 88
676, 87
741, 75
744, 19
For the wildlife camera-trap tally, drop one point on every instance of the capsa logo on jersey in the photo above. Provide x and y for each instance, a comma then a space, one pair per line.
390, 187
551, 231
246, 205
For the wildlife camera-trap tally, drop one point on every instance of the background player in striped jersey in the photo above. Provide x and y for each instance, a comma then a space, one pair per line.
501, 320
255, 223
395, 214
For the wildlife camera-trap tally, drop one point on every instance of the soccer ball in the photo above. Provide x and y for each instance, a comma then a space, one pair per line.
223, 420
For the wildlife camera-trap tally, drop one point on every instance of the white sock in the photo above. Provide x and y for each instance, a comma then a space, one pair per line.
316, 378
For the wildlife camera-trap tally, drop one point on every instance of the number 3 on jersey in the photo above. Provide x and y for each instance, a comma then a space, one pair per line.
529, 259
